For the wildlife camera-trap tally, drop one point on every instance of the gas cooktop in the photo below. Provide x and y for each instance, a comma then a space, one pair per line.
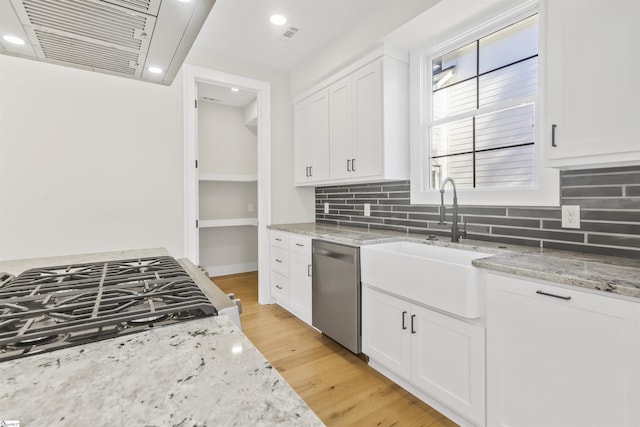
43, 309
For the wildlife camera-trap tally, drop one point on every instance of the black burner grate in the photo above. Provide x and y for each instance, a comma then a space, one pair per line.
44, 309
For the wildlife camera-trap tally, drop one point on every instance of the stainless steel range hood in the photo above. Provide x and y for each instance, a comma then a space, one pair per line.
118, 37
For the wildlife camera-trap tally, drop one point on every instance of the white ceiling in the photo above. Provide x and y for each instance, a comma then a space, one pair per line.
241, 29
224, 95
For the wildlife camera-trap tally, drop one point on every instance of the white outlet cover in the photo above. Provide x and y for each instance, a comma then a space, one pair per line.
367, 209
326, 208
571, 216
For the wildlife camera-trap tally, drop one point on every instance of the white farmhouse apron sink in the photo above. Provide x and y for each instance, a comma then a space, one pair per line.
436, 276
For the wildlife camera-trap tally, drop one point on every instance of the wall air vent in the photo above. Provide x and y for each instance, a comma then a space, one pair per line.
119, 37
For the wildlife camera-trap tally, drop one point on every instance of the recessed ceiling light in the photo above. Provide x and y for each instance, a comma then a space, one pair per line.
184, 1
235, 89
278, 20
155, 70
12, 39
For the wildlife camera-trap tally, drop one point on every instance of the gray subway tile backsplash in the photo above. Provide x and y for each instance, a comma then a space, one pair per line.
609, 200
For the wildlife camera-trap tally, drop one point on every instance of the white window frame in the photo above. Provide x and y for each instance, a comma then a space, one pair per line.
546, 190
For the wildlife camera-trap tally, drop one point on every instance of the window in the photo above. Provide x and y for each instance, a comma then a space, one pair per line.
478, 117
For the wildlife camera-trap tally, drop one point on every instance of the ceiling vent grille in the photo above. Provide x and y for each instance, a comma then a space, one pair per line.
86, 54
291, 31
144, 6
121, 37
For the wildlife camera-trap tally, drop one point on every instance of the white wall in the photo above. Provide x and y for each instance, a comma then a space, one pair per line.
91, 162
88, 162
225, 144
370, 31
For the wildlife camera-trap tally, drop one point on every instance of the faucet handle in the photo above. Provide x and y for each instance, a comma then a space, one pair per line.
463, 232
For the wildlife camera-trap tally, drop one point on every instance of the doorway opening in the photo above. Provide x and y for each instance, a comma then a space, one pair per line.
227, 173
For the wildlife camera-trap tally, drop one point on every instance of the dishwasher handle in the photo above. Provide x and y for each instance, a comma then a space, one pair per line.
335, 255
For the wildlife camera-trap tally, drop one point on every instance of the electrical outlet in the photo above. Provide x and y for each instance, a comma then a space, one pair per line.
326, 208
367, 209
250, 207
571, 216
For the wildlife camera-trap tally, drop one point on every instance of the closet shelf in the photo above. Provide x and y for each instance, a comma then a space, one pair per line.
229, 222
227, 177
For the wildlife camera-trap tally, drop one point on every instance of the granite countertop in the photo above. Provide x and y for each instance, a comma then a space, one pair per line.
614, 275
17, 266
195, 373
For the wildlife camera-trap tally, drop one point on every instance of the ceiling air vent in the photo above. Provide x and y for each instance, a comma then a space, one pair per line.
120, 37
291, 31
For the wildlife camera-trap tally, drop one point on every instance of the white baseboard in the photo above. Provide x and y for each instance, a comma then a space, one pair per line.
223, 270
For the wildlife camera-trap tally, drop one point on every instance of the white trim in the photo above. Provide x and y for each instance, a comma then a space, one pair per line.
227, 178
228, 222
546, 191
223, 270
191, 76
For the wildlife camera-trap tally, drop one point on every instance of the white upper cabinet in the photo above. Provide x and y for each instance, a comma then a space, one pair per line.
367, 125
311, 133
357, 124
592, 84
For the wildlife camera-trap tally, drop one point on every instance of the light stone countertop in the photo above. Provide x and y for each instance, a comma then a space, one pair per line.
614, 275
17, 266
196, 373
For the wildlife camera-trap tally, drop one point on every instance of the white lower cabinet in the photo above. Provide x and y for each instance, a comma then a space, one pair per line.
441, 356
291, 273
560, 357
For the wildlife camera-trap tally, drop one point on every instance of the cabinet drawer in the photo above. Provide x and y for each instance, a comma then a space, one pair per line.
279, 239
300, 244
280, 261
280, 288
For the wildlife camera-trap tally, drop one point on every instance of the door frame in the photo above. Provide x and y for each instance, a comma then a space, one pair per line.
192, 75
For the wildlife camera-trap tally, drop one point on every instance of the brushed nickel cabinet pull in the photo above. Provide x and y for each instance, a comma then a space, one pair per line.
553, 135
404, 326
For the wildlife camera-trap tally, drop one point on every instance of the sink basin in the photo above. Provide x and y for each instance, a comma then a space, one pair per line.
437, 276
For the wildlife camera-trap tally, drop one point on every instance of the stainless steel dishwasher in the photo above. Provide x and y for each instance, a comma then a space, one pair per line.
336, 292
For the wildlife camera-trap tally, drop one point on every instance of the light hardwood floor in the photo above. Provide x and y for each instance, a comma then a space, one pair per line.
339, 387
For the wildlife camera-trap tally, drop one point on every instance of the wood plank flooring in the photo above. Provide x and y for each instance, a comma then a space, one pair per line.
339, 387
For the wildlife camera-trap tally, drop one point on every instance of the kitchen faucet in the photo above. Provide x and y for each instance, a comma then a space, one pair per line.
455, 232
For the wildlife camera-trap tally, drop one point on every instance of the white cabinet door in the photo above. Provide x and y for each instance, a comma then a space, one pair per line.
300, 276
593, 89
341, 129
560, 357
386, 337
280, 288
311, 134
367, 115
447, 357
